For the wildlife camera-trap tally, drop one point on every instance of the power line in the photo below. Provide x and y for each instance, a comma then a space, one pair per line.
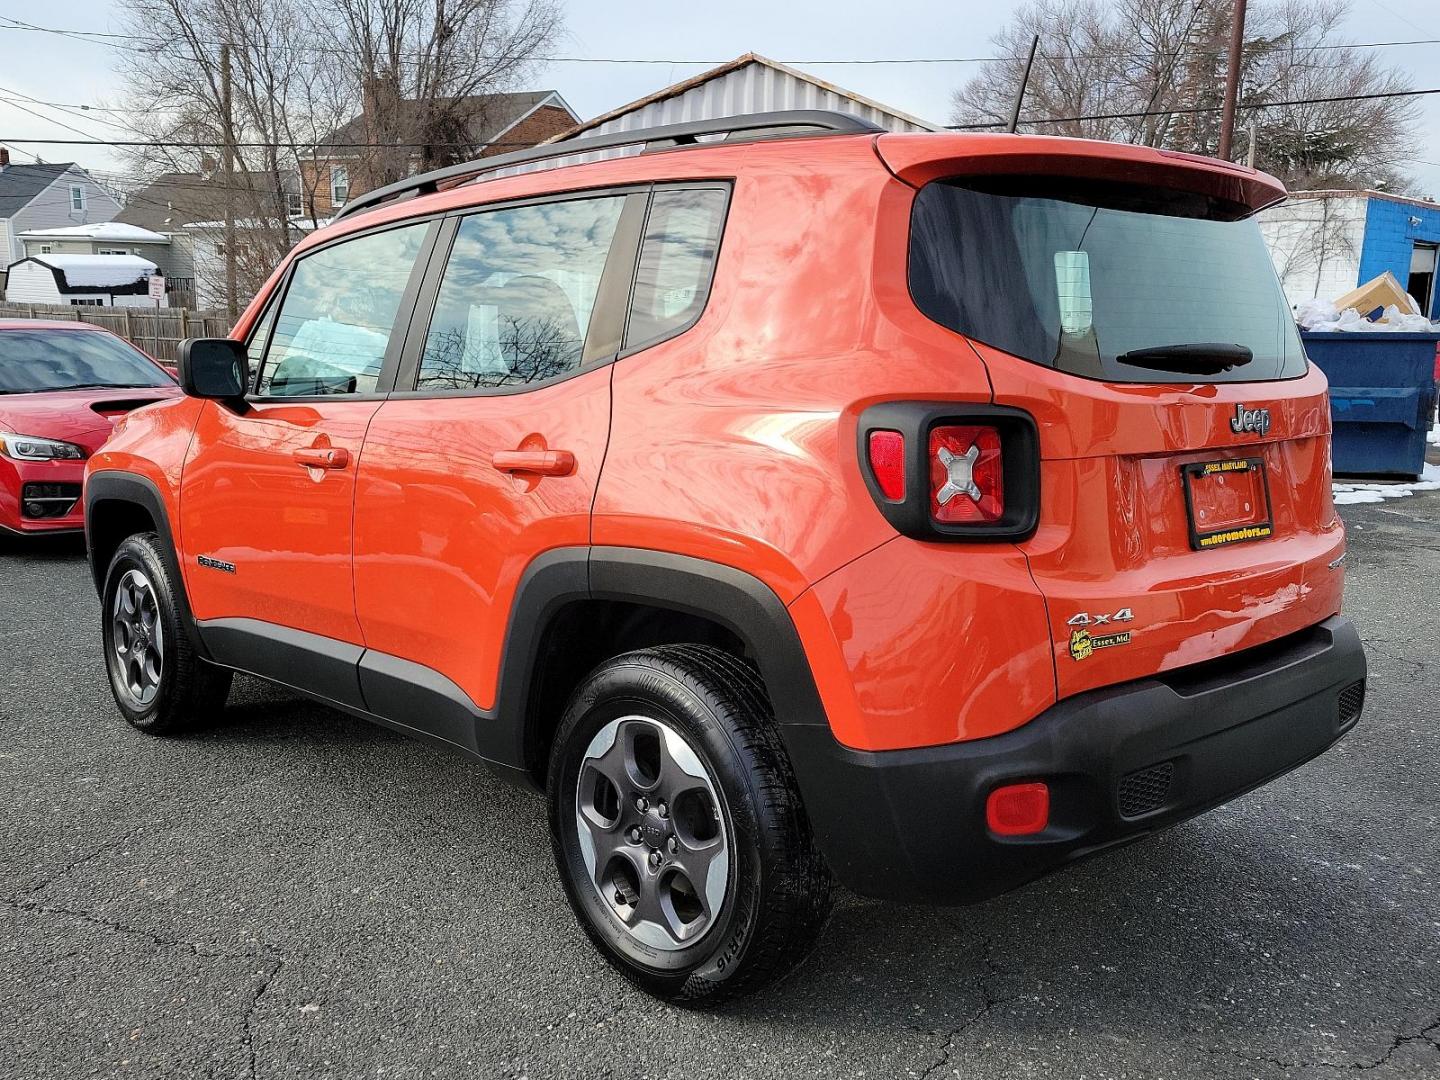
1198, 109
318, 146
168, 144
109, 38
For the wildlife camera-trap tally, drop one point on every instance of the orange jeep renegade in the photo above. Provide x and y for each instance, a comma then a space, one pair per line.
791, 502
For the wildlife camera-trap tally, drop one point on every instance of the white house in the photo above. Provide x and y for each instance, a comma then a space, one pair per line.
104, 238
205, 243
44, 197
82, 281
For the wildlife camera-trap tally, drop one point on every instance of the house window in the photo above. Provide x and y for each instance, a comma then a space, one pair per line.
77, 197
87, 302
112, 251
45, 249
294, 204
339, 185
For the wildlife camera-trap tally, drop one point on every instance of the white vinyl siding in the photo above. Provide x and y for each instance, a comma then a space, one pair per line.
31, 283
51, 209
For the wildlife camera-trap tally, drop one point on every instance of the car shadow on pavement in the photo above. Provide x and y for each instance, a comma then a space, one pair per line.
64, 547
1190, 931
1164, 928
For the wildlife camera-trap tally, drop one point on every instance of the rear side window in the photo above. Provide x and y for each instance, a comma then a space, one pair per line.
677, 261
1113, 282
334, 323
518, 291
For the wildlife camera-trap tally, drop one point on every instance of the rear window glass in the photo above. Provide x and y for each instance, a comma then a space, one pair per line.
1117, 283
677, 260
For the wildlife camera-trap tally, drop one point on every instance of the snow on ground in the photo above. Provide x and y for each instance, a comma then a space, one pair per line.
1434, 437
1347, 494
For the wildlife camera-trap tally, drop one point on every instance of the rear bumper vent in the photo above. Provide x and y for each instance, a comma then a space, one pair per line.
40, 501
1352, 701
1145, 790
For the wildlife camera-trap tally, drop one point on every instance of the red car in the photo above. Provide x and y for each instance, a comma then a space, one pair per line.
62, 387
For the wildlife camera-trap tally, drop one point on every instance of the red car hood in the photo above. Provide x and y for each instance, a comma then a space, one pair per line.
83, 417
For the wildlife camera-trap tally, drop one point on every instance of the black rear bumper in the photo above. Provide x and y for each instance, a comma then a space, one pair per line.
1120, 762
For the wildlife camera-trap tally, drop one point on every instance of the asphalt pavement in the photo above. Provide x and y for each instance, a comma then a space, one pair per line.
294, 893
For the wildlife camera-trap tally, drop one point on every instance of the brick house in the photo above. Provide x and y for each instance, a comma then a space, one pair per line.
344, 165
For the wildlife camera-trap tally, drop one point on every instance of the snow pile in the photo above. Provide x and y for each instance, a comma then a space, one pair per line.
99, 271
1433, 437
1351, 494
113, 231
1321, 316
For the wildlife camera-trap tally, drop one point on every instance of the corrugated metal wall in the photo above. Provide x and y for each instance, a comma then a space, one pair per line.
753, 88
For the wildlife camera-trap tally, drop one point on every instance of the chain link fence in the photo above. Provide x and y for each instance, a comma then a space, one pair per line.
158, 332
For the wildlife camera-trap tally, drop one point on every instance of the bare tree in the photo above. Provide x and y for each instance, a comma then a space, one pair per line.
417, 69
284, 96
425, 65
1165, 59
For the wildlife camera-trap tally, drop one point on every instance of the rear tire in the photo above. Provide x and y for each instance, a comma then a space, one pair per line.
160, 683
666, 767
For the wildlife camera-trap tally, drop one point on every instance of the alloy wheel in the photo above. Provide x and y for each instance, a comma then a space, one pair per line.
137, 639
652, 832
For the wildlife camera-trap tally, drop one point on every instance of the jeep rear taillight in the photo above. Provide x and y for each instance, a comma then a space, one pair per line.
967, 475
952, 471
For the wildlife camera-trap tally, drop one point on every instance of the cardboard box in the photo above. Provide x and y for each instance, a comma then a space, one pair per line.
1376, 295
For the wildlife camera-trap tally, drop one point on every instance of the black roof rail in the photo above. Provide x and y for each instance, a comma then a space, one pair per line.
788, 124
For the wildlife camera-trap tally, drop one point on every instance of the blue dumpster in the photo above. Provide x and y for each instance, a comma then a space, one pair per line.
1382, 395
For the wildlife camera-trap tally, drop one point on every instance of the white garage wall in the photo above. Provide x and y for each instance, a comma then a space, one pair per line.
1315, 245
31, 283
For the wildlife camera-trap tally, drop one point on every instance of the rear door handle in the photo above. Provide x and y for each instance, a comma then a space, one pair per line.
323, 457
538, 462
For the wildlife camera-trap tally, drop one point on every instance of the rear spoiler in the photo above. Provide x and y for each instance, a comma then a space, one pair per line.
917, 159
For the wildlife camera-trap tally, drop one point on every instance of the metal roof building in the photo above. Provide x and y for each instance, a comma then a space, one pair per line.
748, 84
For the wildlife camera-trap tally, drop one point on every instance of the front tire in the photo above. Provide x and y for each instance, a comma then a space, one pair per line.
159, 682
678, 829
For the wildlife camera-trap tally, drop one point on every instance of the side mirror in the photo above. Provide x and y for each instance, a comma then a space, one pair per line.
215, 368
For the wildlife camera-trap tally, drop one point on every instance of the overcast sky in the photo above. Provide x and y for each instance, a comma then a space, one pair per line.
58, 69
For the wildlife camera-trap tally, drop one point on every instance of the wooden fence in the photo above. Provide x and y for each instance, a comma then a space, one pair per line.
158, 332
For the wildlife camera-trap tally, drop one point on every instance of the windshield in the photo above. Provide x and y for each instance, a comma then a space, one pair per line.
1103, 281
36, 360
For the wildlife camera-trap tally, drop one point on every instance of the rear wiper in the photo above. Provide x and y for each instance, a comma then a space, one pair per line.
1200, 358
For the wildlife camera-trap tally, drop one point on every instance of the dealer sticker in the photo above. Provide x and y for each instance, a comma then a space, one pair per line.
1083, 643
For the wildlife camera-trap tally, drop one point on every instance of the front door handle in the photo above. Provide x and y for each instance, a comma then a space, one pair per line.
537, 462
323, 457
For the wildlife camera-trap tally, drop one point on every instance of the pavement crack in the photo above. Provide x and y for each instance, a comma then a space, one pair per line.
1428, 1034
247, 1028
89, 856
35, 907
989, 1002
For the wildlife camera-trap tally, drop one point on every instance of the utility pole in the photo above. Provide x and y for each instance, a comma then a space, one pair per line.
227, 177
1232, 80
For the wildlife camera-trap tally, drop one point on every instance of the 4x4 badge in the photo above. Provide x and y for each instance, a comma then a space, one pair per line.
1084, 618
1256, 420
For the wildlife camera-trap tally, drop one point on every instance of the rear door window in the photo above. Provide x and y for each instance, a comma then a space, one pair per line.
1112, 282
519, 288
333, 327
677, 262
